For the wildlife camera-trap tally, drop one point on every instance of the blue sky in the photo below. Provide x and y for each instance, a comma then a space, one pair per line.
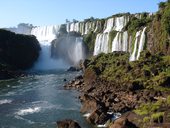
48, 12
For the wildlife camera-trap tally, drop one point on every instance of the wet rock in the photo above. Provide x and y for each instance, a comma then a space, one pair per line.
67, 124
123, 123
98, 117
73, 69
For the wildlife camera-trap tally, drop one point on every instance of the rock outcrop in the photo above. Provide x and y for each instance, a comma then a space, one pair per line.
16, 52
67, 123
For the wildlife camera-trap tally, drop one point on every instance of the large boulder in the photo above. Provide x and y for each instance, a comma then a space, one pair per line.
122, 123
98, 117
67, 123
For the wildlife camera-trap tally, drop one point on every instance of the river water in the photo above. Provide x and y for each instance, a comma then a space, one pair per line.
38, 101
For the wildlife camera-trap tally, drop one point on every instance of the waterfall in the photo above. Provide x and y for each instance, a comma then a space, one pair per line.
45, 35
133, 56
115, 43
102, 39
138, 46
125, 41
101, 44
120, 42
81, 27
141, 43
109, 25
120, 22
77, 53
45, 62
69, 48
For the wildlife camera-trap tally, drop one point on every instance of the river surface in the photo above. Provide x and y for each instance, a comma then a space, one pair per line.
38, 101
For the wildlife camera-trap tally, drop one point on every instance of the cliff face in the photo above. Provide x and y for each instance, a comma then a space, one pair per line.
131, 33
159, 30
19, 51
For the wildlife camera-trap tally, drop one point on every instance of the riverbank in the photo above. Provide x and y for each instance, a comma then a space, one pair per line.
138, 90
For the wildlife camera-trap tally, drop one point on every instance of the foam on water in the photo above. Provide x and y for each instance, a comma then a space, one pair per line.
21, 118
27, 111
87, 115
5, 101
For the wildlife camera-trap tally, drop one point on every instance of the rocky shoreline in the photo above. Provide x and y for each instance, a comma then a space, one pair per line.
102, 98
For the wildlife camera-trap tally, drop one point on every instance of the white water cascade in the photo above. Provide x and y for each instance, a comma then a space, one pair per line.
109, 25
138, 46
133, 56
101, 43
120, 22
45, 35
77, 53
141, 43
120, 42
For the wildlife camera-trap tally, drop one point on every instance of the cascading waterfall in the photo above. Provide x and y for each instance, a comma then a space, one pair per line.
138, 46
133, 56
102, 39
69, 48
45, 35
118, 44
101, 44
141, 43
121, 41
120, 22
109, 25
81, 27
78, 51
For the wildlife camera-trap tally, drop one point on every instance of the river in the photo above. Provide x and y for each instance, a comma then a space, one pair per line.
39, 100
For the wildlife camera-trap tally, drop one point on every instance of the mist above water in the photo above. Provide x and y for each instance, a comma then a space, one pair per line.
45, 62
71, 52
70, 49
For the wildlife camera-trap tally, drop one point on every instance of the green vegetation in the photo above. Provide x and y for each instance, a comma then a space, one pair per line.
155, 111
157, 117
89, 41
150, 71
136, 24
149, 108
112, 35
146, 119
166, 17
160, 29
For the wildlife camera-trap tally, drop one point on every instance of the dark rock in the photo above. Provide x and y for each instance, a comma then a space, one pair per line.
65, 80
90, 104
98, 117
90, 76
123, 123
136, 85
79, 77
67, 124
73, 69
